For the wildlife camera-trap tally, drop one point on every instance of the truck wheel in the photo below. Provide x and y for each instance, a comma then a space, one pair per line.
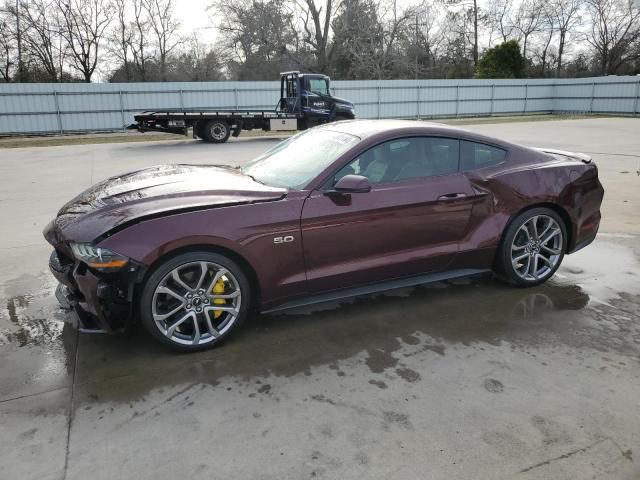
216, 131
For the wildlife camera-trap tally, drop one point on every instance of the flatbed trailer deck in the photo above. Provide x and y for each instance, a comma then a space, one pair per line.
304, 102
179, 121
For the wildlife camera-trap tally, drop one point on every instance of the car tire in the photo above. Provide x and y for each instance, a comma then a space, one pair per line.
532, 247
190, 285
216, 131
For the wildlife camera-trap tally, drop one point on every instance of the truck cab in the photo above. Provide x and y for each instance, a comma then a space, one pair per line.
307, 96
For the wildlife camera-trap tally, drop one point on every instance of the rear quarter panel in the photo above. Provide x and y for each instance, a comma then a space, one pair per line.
528, 179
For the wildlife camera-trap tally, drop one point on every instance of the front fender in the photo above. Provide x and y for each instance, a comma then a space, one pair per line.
246, 230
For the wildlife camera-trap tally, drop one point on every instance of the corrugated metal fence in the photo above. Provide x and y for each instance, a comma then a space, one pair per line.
64, 108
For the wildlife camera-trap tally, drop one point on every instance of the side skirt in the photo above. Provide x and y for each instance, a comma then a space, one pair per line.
378, 287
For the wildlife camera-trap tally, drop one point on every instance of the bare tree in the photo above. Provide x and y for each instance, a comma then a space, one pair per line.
197, 62
396, 25
375, 39
471, 10
317, 16
547, 32
41, 36
475, 32
139, 42
165, 28
259, 37
528, 21
499, 20
13, 34
7, 47
121, 38
615, 33
83, 25
429, 32
459, 30
566, 16
357, 39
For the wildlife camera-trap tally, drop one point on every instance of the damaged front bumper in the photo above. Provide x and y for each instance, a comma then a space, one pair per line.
99, 302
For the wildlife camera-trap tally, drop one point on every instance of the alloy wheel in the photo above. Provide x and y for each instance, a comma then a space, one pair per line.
196, 303
537, 248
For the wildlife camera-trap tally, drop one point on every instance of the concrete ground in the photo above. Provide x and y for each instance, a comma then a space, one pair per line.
465, 379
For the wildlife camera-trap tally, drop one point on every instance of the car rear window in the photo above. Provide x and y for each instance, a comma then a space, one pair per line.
478, 155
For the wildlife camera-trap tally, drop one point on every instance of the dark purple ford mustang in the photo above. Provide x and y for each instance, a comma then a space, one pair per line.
343, 209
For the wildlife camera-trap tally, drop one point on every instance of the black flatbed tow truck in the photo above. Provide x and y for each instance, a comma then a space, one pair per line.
304, 102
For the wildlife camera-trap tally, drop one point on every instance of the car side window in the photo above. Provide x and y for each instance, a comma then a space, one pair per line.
478, 155
404, 159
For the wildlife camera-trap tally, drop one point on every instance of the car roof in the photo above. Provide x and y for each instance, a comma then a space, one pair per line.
368, 128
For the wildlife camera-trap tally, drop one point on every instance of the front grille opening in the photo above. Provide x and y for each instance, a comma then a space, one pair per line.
64, 258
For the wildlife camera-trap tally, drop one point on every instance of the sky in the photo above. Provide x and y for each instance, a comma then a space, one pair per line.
195, 18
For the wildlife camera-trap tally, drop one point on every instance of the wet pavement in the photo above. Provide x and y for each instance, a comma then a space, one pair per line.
463, 379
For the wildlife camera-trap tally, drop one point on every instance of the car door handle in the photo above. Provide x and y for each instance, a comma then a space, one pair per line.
451, 196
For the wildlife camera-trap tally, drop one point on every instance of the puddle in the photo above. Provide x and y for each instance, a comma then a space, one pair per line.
37, 346
377, 331
605, 270
31, 319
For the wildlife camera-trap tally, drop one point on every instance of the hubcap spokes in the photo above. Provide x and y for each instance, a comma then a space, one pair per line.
537, 247
196, 302
218, 131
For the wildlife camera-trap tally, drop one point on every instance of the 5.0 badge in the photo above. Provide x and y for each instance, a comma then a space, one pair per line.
279, 240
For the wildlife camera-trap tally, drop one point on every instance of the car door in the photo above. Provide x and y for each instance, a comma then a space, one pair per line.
317, 107
409, 223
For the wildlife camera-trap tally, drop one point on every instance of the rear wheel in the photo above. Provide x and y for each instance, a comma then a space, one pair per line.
195, 300
533, 247
216, 131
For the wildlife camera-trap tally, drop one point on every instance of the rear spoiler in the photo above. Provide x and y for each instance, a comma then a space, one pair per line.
563, 153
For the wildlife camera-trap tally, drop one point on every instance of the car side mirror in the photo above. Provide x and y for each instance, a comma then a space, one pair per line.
352, 184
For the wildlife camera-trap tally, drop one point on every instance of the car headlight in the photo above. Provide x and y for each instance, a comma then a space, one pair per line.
97, 257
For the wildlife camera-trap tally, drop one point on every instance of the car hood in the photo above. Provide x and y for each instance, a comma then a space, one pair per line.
154, 191
342, 101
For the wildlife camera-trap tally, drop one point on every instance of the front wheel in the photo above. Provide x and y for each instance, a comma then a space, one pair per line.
533, 247
195, 300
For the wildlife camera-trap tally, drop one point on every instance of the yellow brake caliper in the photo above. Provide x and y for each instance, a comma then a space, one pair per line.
218, 289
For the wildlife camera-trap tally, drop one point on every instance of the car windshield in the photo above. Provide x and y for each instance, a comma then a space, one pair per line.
296, 161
